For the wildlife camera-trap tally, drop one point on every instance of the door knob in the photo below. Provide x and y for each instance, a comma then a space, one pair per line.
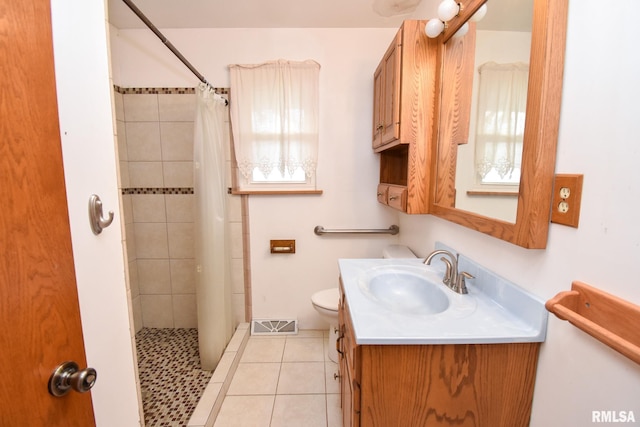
68, 376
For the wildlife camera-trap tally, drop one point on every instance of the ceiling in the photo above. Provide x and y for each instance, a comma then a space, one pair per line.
263, 13
504, 15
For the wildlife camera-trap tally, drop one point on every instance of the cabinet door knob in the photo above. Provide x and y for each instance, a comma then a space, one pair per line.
393, 197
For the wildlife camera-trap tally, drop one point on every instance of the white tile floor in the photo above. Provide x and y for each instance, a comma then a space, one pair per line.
283, 381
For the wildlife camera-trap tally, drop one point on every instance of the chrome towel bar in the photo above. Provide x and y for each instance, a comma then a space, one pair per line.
394, 229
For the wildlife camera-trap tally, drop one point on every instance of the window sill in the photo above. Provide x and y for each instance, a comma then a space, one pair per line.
275, 192
493, 193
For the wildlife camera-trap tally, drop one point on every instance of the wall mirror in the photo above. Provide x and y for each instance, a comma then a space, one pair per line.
519, 213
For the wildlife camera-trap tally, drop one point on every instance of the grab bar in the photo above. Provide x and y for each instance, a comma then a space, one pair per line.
320, 230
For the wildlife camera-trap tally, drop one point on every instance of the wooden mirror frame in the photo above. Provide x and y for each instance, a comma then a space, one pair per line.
546, 67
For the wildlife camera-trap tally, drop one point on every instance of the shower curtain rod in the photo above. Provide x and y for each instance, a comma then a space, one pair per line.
167, 43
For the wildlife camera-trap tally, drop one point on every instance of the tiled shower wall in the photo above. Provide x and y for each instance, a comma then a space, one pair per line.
155, 149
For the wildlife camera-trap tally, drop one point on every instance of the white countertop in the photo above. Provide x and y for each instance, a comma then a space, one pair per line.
474, 318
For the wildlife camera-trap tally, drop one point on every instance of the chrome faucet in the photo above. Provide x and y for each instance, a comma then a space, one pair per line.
452, 278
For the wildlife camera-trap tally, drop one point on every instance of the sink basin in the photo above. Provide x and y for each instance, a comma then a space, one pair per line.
406, 290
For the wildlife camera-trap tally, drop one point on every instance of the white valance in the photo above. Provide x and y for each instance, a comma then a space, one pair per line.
502, 104
274, 116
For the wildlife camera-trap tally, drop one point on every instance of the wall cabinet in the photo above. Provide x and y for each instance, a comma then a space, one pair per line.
424, 385
404, 115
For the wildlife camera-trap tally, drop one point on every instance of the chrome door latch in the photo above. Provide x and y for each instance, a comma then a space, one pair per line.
96, 219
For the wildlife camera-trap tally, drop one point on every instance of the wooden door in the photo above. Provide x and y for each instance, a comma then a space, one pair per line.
39, 312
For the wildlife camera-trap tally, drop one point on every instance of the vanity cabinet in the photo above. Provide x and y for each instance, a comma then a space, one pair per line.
429, 385
404, 114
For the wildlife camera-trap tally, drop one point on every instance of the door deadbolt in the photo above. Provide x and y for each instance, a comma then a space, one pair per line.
68, 376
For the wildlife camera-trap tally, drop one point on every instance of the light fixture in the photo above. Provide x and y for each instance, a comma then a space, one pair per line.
434, 28
448, 10
462, 31
480, 13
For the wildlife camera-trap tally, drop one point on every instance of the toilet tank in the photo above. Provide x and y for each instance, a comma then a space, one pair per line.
397, 251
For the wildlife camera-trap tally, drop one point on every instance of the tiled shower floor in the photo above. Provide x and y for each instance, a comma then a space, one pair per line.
170, 376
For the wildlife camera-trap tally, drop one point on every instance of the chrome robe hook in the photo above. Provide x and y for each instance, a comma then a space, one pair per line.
97, 221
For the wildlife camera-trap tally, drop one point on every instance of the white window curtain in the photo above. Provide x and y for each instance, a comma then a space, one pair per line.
212, 249
274, 116
502, 104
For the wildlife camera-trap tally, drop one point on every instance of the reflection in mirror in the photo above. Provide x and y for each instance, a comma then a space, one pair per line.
548, 35
488, 166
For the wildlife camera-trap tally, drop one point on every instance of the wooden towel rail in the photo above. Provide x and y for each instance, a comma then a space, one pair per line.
612, 320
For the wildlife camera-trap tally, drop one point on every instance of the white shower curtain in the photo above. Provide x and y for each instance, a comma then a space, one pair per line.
213, 278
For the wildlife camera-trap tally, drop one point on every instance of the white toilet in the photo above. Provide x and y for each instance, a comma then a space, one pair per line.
326, 301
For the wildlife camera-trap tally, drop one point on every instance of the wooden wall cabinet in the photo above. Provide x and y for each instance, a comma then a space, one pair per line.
404, 114
444, 385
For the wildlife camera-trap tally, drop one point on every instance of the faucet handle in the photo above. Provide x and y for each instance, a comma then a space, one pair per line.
461, 286
447, 279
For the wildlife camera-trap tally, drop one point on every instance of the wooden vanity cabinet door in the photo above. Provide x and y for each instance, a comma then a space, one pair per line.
349, 373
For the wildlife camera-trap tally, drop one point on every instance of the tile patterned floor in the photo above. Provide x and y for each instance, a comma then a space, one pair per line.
283, 381
170, 376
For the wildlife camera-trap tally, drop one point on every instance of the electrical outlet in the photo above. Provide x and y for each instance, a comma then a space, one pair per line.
567, 194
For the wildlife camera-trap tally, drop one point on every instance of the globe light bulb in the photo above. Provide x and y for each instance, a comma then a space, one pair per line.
447, 10
434, 28
480, 13
462, 31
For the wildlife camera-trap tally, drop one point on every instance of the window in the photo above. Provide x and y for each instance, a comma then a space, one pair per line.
274, 120
502, 103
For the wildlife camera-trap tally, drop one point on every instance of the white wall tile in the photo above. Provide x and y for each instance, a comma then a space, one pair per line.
237, 276
136, 308
121, 137
123, 175
148, 208
185, 313
181, 240
177, 107
140, 107
183, 276
146, 175
143, 141
157, 311
134, 286
154, 276
151, 240
119, 105
127, 208
177, 141
238, 308
178, 174
180, 207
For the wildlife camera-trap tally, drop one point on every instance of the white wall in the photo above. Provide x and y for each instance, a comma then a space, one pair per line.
599, 130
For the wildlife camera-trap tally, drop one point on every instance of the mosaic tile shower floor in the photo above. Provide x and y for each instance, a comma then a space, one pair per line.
170, 376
